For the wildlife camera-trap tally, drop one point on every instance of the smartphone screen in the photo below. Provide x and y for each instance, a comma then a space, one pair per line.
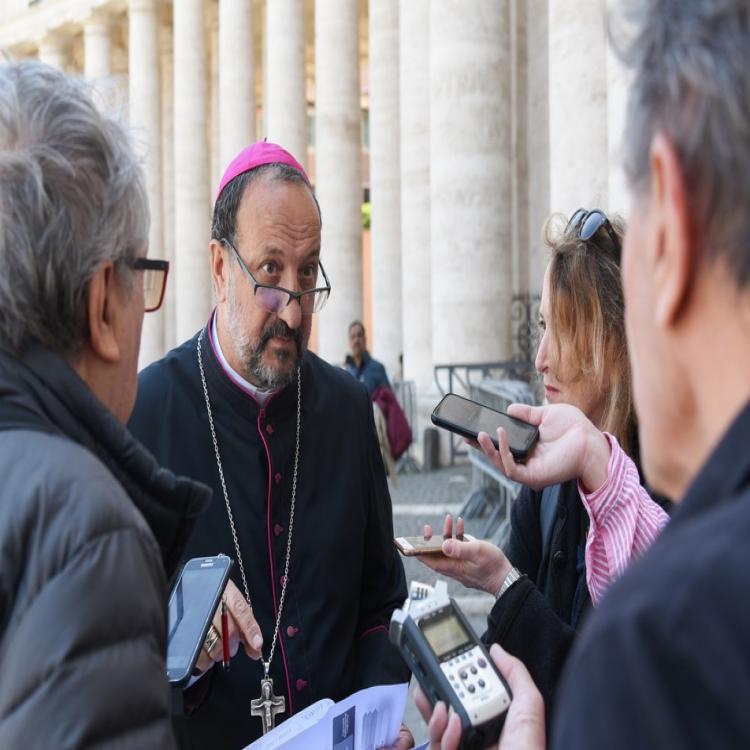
469, 418
191, 606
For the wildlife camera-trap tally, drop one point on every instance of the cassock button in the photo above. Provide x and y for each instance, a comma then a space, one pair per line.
282, 580
278, 529
291, 631
269, 429
277, 478
301, 685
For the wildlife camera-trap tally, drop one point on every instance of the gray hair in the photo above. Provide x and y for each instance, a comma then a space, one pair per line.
690, 61
224, 221
72, 196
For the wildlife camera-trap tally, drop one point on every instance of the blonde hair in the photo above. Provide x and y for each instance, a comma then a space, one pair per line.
587, 320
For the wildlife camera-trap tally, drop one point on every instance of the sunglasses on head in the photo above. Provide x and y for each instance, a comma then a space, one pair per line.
588, 223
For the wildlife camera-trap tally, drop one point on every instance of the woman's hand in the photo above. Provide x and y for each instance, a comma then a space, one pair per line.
478, 565
524, 724
569, 447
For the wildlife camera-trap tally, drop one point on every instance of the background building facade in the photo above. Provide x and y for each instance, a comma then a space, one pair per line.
463, 123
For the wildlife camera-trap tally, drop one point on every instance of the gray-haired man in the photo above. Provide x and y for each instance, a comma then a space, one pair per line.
90, 527
665, 660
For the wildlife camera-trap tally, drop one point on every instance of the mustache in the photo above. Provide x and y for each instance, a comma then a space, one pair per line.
281, 329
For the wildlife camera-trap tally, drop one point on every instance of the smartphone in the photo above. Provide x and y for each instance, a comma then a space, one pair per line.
468, 418
192, 604
418, 545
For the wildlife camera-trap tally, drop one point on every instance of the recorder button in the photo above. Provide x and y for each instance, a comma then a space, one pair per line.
473, 670
464, 674
471, 688
482, 663
481, 683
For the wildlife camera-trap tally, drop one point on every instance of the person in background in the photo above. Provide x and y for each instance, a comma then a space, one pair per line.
91, 529
360, 364
582, 514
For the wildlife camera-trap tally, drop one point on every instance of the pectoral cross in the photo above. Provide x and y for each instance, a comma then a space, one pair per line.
268, 705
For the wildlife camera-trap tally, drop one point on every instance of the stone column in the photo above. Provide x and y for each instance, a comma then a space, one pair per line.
236, 78
285, 92
145, 122
52, 51
414, 34
577, 105
338, 168
191, 164
167, 179
385, 183
470, 180
97, 53
537, 139
617, 95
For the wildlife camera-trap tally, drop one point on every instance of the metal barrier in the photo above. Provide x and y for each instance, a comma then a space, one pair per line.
406, 394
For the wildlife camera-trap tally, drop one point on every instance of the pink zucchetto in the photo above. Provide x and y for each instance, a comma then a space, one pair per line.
256, 155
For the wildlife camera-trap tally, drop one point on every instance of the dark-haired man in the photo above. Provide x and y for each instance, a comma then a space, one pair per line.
288, 444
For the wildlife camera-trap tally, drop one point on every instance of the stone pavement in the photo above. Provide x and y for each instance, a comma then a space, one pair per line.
426, 498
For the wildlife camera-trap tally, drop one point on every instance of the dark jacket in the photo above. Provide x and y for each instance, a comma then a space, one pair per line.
536, 618
665, 659
370, 372
90, 529
345, 577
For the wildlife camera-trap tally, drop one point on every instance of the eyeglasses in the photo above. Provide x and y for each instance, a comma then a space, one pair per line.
588, 223
275, 298
154, 281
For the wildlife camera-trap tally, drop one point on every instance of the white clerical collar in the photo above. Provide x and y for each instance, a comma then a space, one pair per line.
259, 395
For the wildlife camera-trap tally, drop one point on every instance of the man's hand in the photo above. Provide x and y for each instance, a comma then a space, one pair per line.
478, 565
569, 447
404, 741
524, 723
242, 628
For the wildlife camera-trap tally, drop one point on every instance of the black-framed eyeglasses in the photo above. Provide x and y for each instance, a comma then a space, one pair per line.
588, 223
154, 281
275, 298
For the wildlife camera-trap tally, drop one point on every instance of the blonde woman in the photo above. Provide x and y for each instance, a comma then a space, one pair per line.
583, 513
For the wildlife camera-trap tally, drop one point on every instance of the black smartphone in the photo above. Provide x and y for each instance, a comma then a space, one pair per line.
192, 604
468, 418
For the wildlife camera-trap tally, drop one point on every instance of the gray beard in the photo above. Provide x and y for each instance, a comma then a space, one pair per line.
250, 354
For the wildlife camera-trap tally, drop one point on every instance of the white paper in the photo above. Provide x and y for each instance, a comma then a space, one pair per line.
367, 720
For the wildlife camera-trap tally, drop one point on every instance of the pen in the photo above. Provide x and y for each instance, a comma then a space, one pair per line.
224, 635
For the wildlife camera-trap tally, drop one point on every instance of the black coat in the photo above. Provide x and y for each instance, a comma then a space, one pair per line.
665, 659
90, 529
535, 618
345, 576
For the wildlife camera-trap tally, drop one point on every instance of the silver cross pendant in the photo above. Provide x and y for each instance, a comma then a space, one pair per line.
268, 705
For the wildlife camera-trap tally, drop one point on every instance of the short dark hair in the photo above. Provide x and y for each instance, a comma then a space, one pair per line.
691, 81
224, 222
356, 323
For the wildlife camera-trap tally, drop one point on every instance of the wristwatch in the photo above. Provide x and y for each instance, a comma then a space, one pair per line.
513, 575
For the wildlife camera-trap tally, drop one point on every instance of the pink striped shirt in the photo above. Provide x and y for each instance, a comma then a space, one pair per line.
624, 521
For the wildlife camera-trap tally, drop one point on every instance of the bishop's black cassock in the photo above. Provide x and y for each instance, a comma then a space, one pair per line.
345, 577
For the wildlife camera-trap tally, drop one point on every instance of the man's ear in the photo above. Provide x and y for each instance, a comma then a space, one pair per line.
674, 261
102, 311
219, 270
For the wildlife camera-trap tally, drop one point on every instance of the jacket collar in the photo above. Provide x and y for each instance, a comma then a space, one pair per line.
57, 400
724, 474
